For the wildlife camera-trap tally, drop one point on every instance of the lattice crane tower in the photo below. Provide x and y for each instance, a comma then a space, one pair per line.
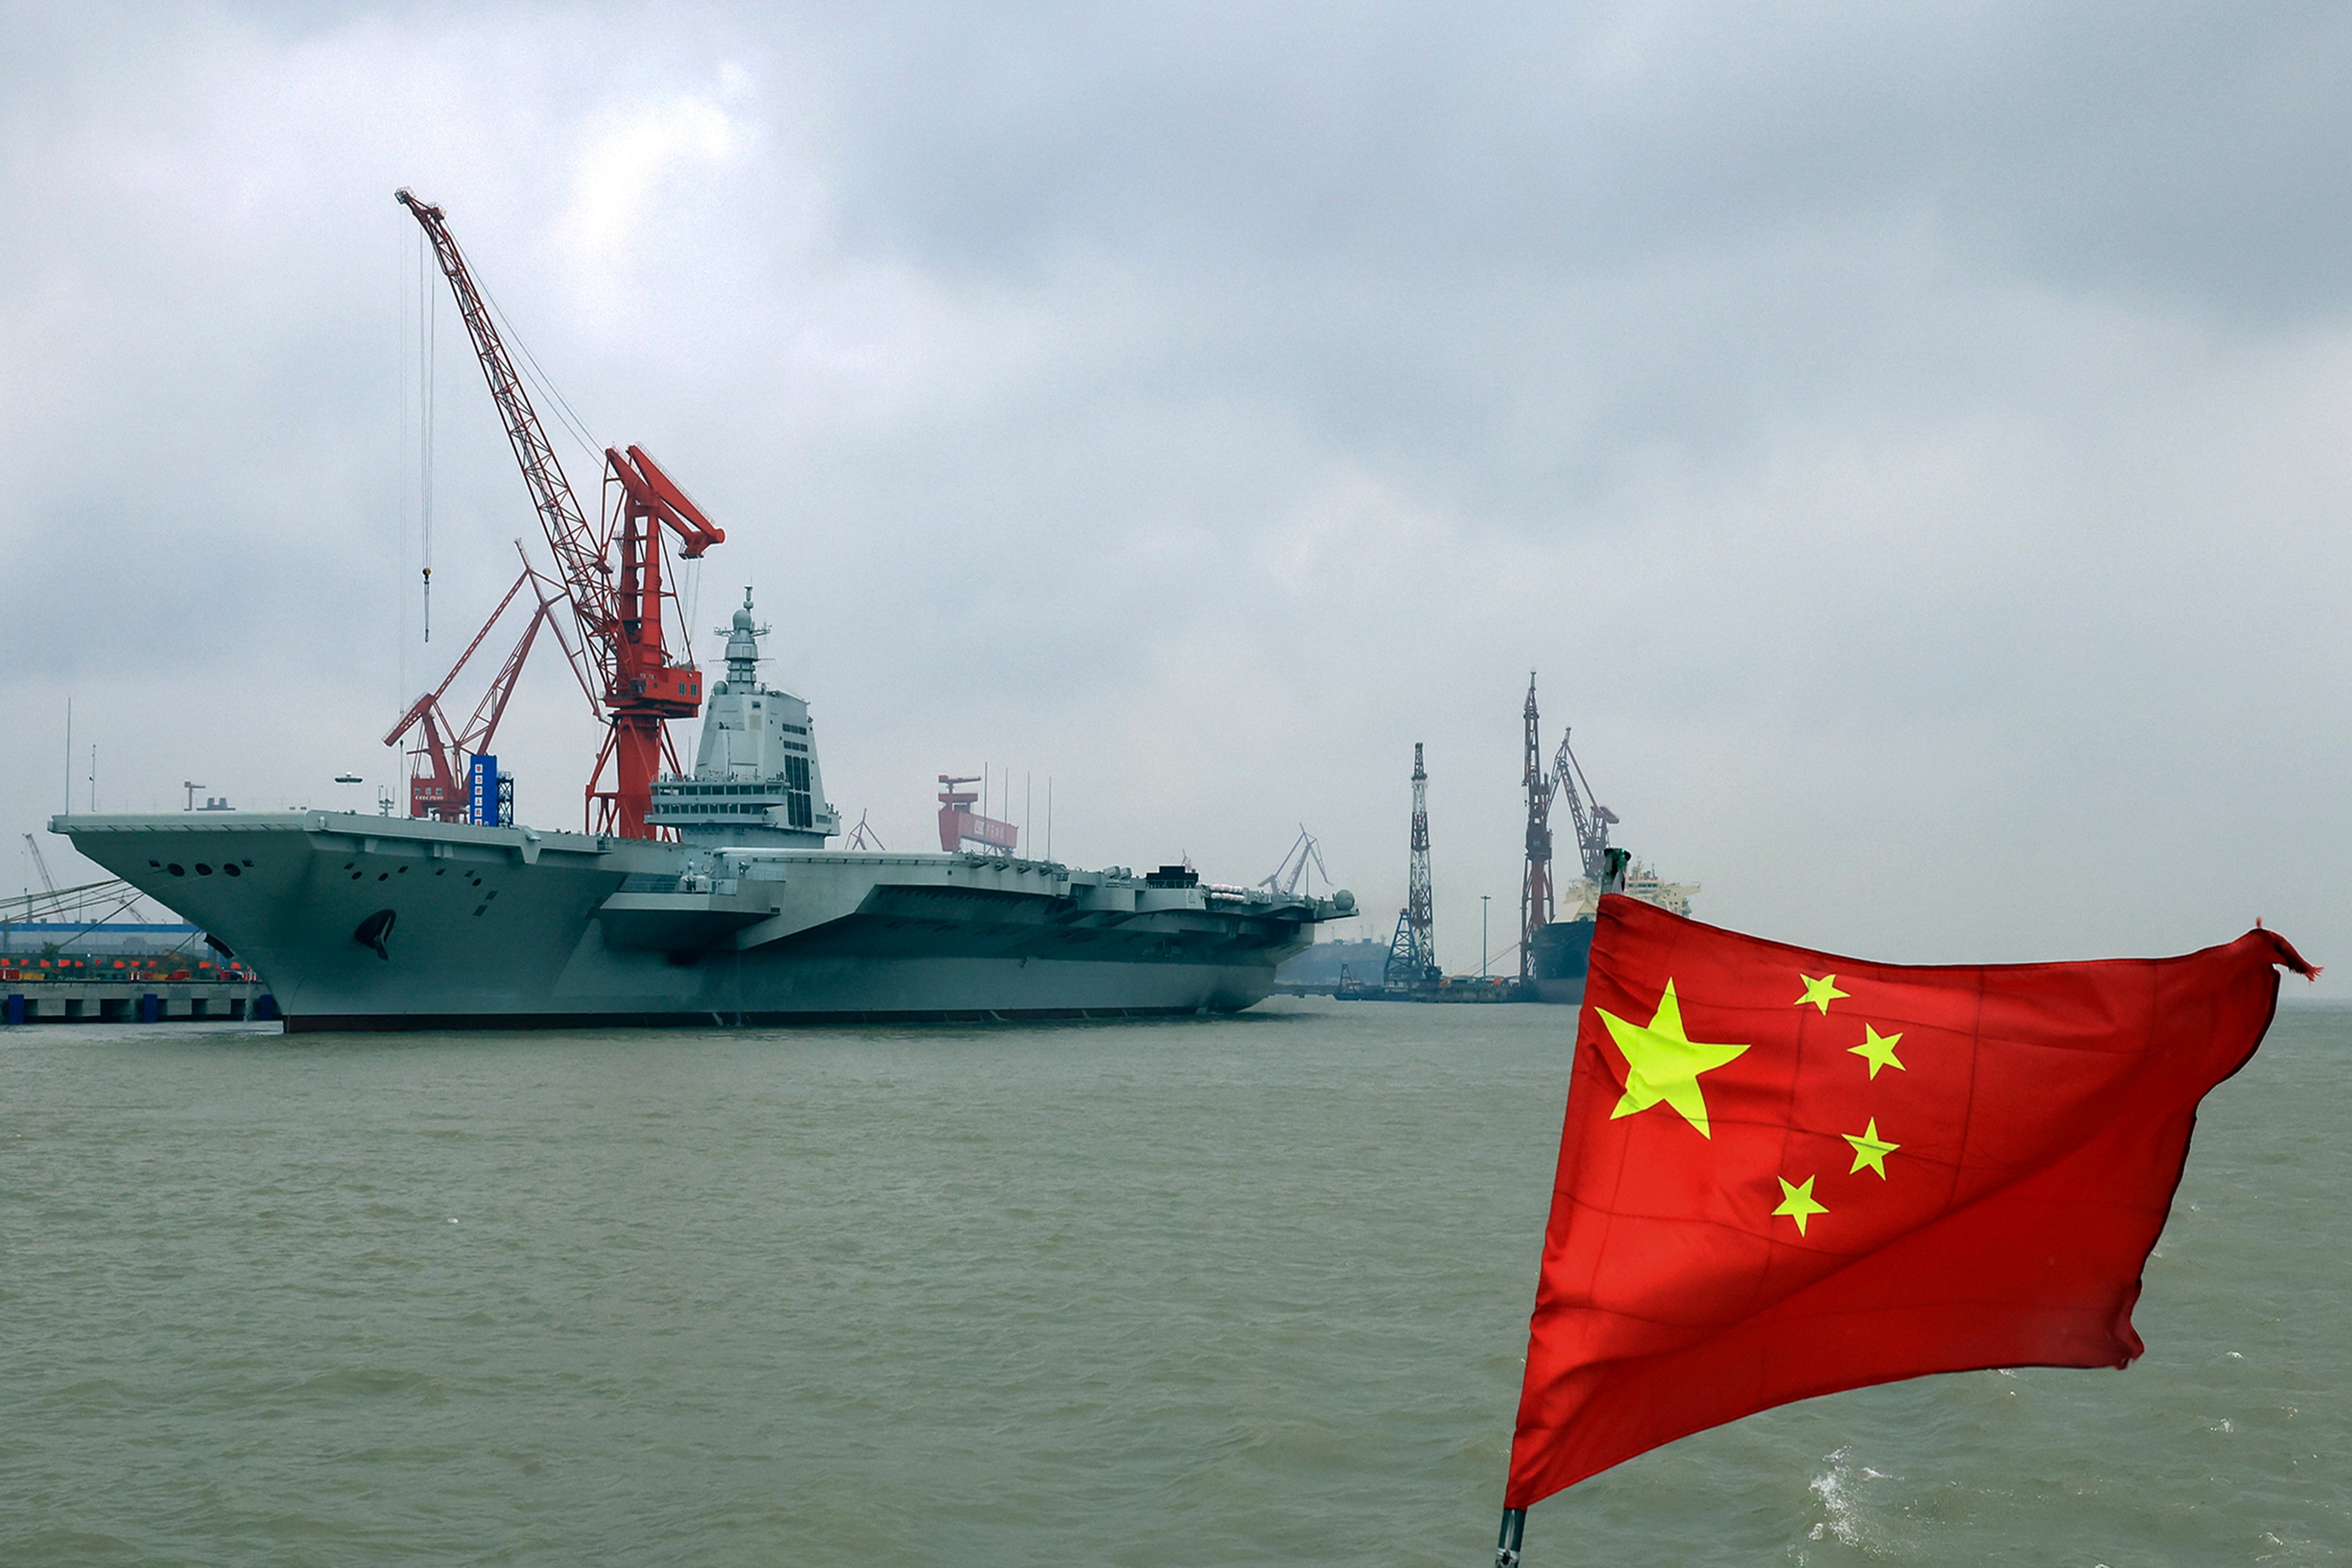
1538, 904
1412, 952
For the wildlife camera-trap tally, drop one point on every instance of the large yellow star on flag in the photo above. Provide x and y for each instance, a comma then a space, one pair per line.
1797, 1201
1878, 1050
1870, 1150
1662, 1063
1820, 991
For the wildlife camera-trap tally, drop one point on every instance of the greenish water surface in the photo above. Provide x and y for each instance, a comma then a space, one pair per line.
1243, 1290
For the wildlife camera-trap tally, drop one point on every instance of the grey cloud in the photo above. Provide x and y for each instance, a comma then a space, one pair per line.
1910, 447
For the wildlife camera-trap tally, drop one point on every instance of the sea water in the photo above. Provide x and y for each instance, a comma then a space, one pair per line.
1239, 1290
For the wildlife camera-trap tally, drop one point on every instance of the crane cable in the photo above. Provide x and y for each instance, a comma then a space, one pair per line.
400, 478
565, 415
428, 324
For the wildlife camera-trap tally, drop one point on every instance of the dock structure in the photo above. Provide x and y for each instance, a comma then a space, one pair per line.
1471, 988
136, 1002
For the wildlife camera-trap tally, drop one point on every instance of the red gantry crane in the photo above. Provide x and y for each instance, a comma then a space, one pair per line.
436, 783
611, 574
961, 828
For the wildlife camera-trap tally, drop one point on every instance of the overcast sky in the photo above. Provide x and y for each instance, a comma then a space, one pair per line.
1915, 453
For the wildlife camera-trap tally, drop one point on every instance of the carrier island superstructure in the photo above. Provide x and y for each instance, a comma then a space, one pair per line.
371, 923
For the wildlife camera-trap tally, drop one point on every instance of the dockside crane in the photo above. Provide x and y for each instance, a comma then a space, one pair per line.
1412, 951
1536, 903
1305, 851
1539, 893
1592, 829
612, 573
436, 783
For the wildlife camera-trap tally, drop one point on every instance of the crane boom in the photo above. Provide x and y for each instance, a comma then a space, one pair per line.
431, 701
1592, 829
41, 864
579, 551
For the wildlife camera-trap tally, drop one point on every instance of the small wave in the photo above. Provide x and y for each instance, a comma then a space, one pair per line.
1843, 1520
1835, 1486
365, 1380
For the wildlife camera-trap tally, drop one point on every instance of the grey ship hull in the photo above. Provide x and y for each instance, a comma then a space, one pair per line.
1562, 952
516, 928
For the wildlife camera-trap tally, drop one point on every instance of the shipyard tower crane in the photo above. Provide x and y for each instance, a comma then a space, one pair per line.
1413, 952
1539, 892
1538, 904
612, 573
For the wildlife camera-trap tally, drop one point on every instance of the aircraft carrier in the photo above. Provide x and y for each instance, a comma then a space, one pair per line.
382, 922
707, 897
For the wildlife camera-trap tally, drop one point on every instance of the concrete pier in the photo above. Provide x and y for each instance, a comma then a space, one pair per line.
134, 1002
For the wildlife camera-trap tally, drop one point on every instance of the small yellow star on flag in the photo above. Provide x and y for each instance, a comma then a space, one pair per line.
1797, 1202
1662, 1063
1820, 992
1869, 1150
1878, 1050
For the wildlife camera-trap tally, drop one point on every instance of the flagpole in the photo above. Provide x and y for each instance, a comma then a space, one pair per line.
1507, 1541
1515, 1520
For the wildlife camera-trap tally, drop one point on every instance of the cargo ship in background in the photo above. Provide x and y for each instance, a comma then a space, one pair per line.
1561, 950
699, 896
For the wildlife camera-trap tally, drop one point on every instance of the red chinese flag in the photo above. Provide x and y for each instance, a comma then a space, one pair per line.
1785, 1173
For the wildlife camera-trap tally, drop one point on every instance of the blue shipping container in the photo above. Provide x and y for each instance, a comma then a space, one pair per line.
482, 791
